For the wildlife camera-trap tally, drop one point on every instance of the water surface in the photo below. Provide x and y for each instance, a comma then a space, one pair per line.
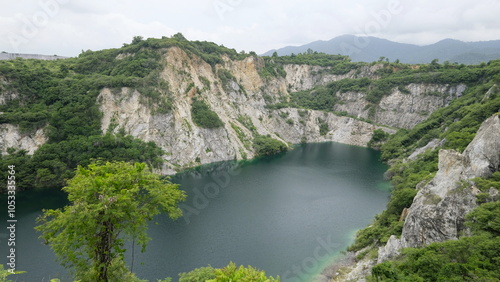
287, 215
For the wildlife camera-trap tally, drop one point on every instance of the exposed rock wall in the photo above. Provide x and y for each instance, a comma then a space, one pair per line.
11, 136
304, 77
398, 109
438, 210
240, 97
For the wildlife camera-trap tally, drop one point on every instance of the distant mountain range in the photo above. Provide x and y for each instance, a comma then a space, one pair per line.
369, 49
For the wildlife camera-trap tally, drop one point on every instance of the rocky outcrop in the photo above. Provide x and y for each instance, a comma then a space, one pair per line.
304, 77
13, 137
401, 109
438, 210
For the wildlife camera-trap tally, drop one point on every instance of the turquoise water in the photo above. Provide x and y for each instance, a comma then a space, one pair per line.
288, 215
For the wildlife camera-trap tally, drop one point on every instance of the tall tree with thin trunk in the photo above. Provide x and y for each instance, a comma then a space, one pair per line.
110, 203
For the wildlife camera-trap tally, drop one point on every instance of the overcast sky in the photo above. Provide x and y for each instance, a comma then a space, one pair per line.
66, 27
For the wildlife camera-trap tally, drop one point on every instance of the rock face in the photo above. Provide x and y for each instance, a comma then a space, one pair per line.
398, 109
11, 136
438, 211
240, 102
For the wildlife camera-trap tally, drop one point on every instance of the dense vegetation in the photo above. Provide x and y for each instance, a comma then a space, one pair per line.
454, 126
203, 116
229, 273
267, 146
470, 258
475, 258
334, 64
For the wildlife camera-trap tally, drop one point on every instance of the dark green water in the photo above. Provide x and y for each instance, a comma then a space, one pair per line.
288, 215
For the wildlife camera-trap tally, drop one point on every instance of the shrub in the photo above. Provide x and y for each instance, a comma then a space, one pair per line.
233, 273
203, 116
266, 146
201, 274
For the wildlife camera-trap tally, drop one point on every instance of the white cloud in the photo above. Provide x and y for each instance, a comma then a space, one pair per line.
256, 25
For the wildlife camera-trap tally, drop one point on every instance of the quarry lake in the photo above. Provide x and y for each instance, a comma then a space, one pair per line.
289, 215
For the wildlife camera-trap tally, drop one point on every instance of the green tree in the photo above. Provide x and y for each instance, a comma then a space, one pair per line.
201, 274
485, 218
137, 39
110, 203
5, 272
233, 273
267, 146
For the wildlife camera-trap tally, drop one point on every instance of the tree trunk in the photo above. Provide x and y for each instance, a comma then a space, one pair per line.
103, 251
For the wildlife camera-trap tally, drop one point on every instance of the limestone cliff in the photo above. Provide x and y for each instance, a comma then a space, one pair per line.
401, 109
438, 210
238, 98
12, 136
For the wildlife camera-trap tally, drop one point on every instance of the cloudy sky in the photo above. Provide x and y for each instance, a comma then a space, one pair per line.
66, 27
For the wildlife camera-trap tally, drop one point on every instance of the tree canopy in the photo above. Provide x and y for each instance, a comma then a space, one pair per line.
110, 203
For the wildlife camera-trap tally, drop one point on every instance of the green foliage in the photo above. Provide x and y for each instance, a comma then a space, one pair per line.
5, 272
233, 273
267, 146
475, 258
323, 127
485, 184
110, 203
203, 116
405, 177
247, 122
324, 97
456, 124
485, 219
241, 135
378, 137
201, 274
334, 64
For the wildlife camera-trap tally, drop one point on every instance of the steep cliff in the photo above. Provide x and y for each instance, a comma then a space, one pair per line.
439, 208
401, 109
237, 94
13, 137
438, 211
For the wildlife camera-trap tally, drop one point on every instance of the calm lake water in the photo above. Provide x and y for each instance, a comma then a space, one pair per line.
288, 215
